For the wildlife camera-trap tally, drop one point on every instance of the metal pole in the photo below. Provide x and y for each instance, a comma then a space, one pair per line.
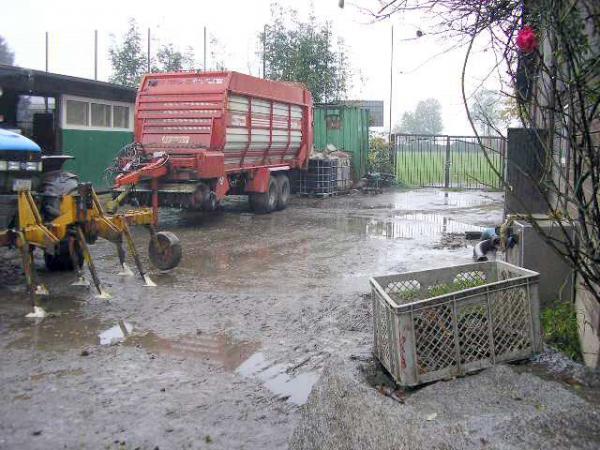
95, 54
46, 51
391, 82
264, 43
448, 163
46, 98
148, 49
204, 48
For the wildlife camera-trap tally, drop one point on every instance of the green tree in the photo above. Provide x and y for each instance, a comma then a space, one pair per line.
490, 112
170, 59
306, 52
380, 155
6, 55
425, 119
217, 53
129, 61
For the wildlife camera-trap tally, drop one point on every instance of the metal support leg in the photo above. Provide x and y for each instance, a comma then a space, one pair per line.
81, 281
125, 270
153, 237
154, 185
23, 247
90, 263
33, 288
136, 257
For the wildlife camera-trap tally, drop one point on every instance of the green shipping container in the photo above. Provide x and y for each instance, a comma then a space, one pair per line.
347, 128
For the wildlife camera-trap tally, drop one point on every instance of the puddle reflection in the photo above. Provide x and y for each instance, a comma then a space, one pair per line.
115, 334
410, 226
274, 377
416, 199
400, 226
218, 347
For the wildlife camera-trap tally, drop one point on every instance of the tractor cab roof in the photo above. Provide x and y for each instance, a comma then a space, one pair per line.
14, 141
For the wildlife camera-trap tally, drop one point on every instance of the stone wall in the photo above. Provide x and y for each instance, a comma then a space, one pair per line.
588, 319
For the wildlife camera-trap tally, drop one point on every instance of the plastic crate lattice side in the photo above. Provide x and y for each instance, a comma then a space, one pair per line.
434, 339
510, 312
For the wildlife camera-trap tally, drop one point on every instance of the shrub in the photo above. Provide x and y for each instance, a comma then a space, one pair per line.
560, 329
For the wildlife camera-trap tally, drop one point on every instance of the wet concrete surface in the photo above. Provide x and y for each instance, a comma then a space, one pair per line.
222, 353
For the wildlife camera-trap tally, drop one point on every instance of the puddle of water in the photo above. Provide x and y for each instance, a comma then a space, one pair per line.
219, 347
401, 226
274, 377
411, 200
410, 226
68, 332
238, 356
115, 334
58, 334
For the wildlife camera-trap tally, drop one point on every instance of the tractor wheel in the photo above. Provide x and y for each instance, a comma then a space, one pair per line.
283, 191
165, 254
61, 260
265, 202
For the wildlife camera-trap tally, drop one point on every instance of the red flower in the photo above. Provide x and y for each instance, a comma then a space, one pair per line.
527, 40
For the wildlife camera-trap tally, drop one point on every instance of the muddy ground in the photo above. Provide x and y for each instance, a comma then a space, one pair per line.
226, 350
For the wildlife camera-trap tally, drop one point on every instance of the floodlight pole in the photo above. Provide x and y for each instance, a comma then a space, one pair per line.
264, 43
391, 83
148, 49
205, 69
46, 51
95, 54
46, 98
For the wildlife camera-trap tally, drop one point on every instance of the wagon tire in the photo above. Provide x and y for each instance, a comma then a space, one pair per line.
165, 252
265, 202
283, 191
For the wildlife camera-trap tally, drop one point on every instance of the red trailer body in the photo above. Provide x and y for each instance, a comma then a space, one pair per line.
200, 136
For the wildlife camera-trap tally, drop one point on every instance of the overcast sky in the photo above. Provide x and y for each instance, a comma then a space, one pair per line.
418, 73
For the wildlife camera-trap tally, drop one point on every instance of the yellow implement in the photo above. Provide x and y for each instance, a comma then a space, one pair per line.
81, 221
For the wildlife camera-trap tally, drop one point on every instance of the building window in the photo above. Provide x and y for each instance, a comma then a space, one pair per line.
77, 113
81, 113
101, 115
120, 116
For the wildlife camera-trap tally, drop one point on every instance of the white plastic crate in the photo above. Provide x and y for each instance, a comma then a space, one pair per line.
433, 338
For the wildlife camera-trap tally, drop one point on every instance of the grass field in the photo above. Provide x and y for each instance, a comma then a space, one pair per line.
468, 169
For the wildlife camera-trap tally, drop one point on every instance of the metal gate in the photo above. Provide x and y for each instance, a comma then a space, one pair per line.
449, 161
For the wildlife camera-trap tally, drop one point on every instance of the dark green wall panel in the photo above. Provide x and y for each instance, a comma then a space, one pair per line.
93, 152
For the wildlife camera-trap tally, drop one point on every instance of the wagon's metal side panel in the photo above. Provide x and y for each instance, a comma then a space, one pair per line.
254, 122
262, 132
180, 112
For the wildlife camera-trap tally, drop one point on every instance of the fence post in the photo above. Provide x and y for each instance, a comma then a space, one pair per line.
447, 166
392, 155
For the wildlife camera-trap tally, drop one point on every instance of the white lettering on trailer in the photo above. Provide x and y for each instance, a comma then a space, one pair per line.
175, 139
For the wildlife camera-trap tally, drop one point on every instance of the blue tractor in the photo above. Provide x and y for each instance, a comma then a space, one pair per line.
20, 168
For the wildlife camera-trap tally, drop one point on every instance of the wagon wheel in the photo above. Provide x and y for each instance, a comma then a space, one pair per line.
165, 250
